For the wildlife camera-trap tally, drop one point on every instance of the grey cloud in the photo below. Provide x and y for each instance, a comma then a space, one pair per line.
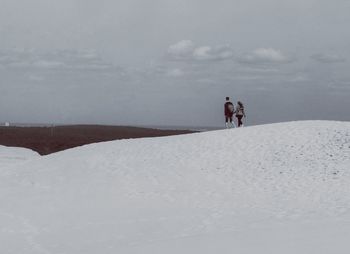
175, 72
298, 79
181, 50
56, 59
207, 53
186, 50
328, 58
264, 56
156, 70
36, 78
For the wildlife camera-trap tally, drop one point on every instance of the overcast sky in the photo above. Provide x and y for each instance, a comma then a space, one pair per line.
172, 62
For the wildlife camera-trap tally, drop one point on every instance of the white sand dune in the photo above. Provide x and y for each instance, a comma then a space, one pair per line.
279, 188
13, 155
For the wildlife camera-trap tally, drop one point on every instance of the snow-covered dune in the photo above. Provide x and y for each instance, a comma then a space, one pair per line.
14, 155
279, 188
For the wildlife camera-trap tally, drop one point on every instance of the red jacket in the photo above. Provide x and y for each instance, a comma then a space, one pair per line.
229, 109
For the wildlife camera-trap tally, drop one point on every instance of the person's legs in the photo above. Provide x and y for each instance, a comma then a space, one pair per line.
232, 122
239, 121
229, 122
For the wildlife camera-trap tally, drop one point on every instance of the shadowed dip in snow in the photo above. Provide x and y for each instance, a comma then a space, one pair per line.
46, 140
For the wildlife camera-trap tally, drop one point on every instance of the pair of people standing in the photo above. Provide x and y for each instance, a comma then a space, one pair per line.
230, 110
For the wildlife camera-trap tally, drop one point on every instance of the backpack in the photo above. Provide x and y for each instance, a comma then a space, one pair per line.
240, 110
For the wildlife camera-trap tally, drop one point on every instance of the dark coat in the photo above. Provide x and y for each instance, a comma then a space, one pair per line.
229, 109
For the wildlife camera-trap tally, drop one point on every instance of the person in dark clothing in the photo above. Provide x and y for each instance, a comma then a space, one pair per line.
240, 113
229, 110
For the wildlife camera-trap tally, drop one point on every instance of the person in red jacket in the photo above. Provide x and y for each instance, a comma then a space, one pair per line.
229, 110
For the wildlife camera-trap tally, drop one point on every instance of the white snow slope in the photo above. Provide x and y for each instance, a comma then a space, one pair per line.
14, 155
280, 188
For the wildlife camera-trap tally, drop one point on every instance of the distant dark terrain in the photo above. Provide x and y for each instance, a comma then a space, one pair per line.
46, 140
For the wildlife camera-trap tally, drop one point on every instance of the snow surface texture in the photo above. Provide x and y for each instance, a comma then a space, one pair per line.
279, 188
14, 155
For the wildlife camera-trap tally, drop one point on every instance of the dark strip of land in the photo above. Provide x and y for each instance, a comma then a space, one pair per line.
46, 140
